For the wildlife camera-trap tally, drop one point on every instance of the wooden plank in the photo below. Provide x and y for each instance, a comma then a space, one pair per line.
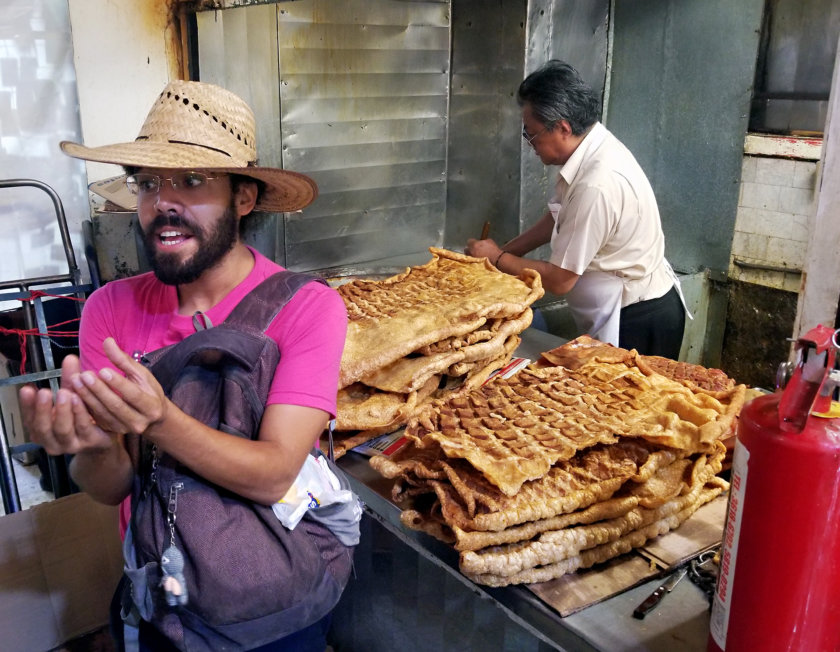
702, 531
576, 591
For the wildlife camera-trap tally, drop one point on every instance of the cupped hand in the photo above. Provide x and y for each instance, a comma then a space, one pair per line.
61, 424
131, 403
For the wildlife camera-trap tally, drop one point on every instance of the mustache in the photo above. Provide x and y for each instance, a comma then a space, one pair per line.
173, 221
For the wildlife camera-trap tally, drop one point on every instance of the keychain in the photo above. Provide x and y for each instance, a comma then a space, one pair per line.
172, 561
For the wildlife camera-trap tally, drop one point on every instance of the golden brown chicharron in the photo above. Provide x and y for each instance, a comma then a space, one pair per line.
561, 467
423, 334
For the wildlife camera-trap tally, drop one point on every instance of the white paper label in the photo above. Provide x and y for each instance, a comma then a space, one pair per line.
729, 546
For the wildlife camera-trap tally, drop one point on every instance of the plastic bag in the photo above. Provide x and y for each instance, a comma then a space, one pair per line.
315, 487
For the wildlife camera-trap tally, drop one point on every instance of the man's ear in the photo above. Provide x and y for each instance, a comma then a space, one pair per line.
246, 197
563, 127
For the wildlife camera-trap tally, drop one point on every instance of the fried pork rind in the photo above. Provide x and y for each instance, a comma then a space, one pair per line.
584, 349
450, 323
450, 296
514, 430
672, 517
562, 467
549, 504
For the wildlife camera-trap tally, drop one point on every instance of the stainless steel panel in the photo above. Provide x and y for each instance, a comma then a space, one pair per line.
237, 50
575, 32
364, 89
355, 94
687, 129
488, 45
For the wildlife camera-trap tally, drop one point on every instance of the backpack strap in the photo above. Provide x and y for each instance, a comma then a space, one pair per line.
246, 325
257, 309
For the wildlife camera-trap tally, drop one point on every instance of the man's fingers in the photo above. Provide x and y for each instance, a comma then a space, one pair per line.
88, 431
120, 358
134, 371
69, 367
116, 403
106, 407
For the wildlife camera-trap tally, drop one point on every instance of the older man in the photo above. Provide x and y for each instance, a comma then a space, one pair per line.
607, 246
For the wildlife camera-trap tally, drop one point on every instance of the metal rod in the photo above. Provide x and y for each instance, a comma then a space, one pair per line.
8, 482
766, 268
62, 220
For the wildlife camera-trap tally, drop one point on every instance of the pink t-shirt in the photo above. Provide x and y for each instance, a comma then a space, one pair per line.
141, 314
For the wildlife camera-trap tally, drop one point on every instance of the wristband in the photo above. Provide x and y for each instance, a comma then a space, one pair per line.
499, 257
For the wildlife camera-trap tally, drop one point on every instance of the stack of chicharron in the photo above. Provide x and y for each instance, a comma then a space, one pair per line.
420, 335
575, 460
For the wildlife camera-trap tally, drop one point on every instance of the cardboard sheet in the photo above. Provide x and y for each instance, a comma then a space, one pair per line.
59, 565
576, 591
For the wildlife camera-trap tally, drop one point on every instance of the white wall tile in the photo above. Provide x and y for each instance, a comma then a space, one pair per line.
764, 222
760, 195
749, 245
748, 168
792, 283
800, 227
805, 174
786, 253
774, 171
773, 220
796, 200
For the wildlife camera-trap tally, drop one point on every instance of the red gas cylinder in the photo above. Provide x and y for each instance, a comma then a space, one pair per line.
779, 582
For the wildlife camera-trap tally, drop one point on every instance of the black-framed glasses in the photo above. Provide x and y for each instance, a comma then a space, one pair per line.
144, 183
530, 139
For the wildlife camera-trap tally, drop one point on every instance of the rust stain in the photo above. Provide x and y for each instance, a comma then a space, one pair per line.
165, 17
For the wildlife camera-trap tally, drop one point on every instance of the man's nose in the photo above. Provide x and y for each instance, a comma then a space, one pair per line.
167, 197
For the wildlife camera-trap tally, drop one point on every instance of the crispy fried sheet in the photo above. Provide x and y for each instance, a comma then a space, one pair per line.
360, 407
513, 430
587, 350
621, 494
450, 296
605, 551
410, 373
472, 502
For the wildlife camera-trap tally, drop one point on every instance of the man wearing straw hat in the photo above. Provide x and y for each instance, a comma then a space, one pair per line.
192, 172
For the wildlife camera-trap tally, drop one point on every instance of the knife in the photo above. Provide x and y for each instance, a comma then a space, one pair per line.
653, 599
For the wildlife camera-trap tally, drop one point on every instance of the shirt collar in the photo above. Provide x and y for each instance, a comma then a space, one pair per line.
589, 144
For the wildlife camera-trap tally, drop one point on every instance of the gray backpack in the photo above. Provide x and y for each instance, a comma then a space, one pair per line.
208, 568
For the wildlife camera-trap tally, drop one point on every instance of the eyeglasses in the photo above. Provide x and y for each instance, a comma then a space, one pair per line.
530, 139
144, 183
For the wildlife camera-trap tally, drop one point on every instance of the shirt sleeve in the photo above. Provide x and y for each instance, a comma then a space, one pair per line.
96, 324
584, 226
310, 333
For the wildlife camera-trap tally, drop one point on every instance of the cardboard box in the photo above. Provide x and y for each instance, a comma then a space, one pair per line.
59, 565
9, 405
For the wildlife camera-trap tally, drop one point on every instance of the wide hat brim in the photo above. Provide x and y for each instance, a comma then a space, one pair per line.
285, 191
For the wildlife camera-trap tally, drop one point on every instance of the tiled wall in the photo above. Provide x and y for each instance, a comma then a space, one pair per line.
776, 205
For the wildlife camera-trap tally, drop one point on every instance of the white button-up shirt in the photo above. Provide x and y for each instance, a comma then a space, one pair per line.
607, 220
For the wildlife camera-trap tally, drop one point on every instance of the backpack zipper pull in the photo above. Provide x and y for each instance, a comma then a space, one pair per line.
172, 508
172, 561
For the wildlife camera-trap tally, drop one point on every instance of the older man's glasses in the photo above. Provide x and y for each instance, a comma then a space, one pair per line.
530, 139
144, 183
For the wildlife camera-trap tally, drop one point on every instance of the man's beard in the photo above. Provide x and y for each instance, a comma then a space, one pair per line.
213, 244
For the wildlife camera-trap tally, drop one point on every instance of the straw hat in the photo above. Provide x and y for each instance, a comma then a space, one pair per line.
200, 126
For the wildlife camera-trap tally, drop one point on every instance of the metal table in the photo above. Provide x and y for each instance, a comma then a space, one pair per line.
679, 622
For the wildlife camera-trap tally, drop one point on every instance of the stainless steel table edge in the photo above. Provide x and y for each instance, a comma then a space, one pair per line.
681, 620
517, 603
